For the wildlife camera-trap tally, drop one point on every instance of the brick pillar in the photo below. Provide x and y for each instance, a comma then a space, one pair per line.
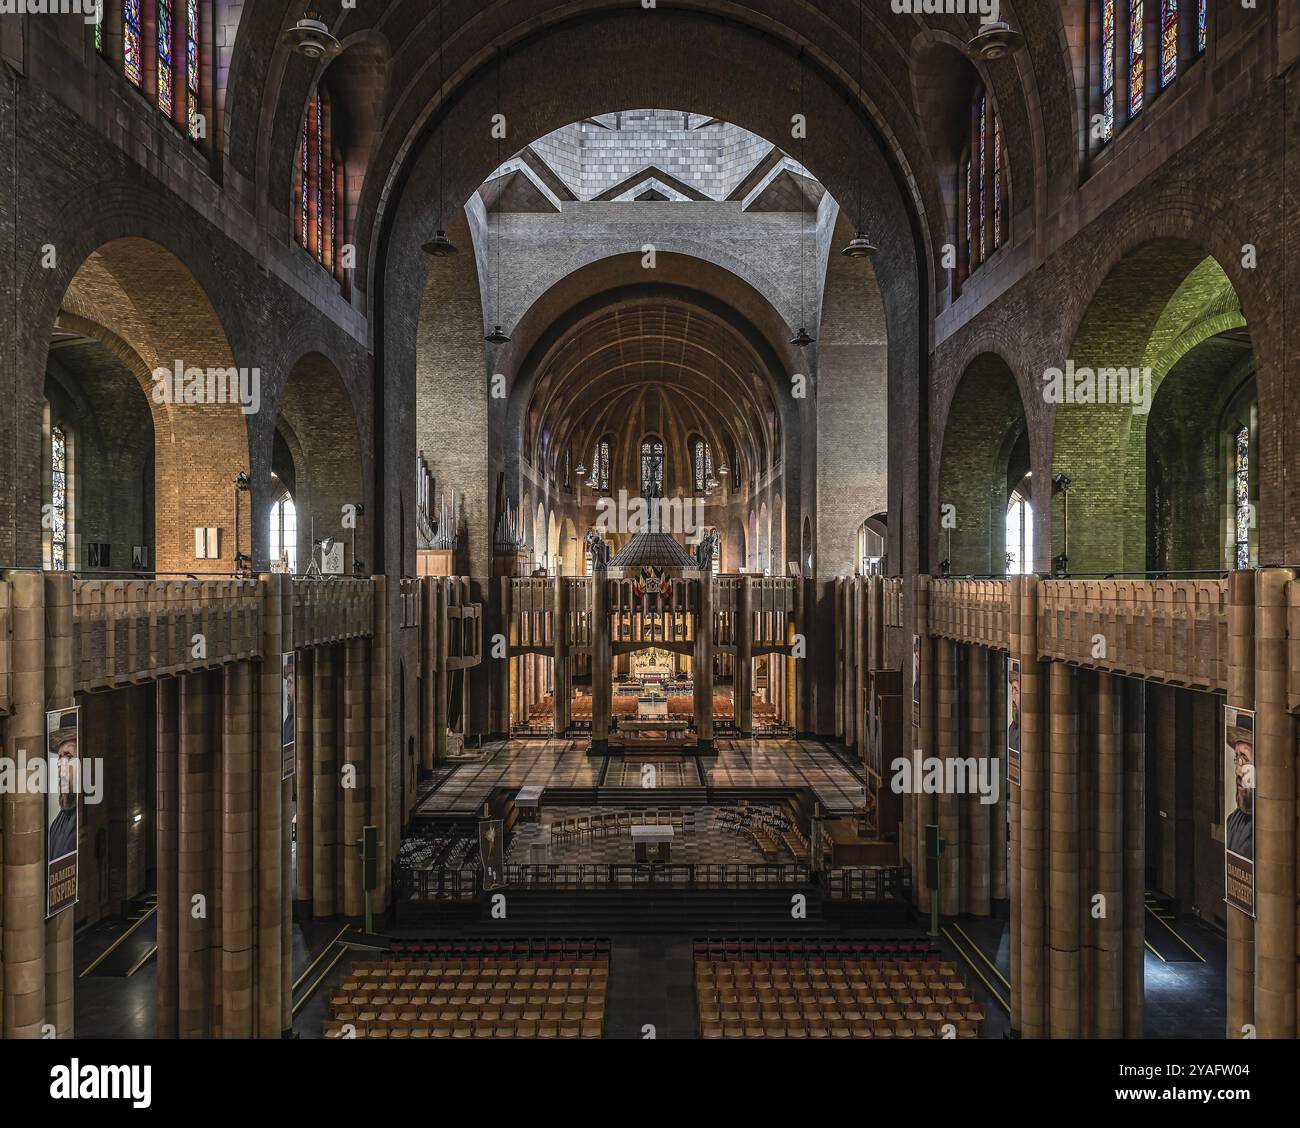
356, 732
1275, 814
274, 910
197, 899
58, 695
167, 828
1032, 868
24, 818
743, 682
237, 852
1064, 855
304, 773
1135, 854
325, 783
1108, 930
976, 871
704, 662
947, 749
1241, 695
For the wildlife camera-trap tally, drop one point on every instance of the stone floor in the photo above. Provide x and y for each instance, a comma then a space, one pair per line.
787, 763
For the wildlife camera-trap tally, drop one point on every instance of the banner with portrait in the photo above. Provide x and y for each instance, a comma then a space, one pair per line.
62, 817
1013, 721
1239, 803
288, 713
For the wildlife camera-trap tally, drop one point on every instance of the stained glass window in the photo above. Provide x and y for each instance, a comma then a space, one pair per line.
1108, 68
600, 466
997, 182
1168, 42
983, 138
1202, 25
131, 62
702, 457
1136, 57
970, 226
318, 185
58, 499
99, 31
652, 468
1241, 494
165, 99
192, 67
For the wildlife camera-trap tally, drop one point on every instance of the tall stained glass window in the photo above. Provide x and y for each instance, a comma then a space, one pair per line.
166, 101
1241, 494
317, 187
1202, 25
192, 67
1108, 69
652, 468
970, 224
997, 182
99, 32
132, 66
983, 146
1168, 42
58, 499
702, 457
600, 466
1136, 57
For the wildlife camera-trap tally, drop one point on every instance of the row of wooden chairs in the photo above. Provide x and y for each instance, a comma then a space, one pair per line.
838, 1028
440, 1028
852, 1011
611, 824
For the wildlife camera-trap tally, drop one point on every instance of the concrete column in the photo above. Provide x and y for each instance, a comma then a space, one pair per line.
325, 783
1108, 930
167, 827
744, 680
237, 906
355, 746
601, 663
304, 774
58, 695
1275, 814
1135, 855
859, 664
24, 818
428, 672
1032, 870
377, 776
922, 737
197, 901
504, 664
703, 662
999, 831
976, 869
1063, 854
1241, 695
948, 749
560, 660
443, 640
802, 720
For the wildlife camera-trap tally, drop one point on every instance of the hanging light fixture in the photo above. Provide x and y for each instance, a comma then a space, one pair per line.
440, 246
581, 468
860, 247
723, 469
311, 38
994, 41
801, 338
497, 336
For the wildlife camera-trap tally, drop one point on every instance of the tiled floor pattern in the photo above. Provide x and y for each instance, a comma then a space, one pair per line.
709, 843
633, 773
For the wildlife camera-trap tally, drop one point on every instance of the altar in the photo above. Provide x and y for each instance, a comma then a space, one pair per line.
652, 843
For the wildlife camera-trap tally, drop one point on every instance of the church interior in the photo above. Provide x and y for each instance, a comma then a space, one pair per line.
808, 559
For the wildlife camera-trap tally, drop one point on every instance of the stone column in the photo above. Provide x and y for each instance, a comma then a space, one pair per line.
793, 625
197, 900
1135, 855
1108, 930
947, 750
237, 906
601, 663
1063, 854
443, 642
1032, 870
356, 732
505, 663
304, 774
743, 682
976, 869
1241, 695
273, 908
24, 818
560, 660
999, 833
798, 684
703, 662
428, 672
377, 773
325, 783
167, 827
59, 695
921, 738
1275, 814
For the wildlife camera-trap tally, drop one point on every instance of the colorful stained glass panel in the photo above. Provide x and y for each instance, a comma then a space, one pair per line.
165, 94
132, 65
1136, 57
1168, 42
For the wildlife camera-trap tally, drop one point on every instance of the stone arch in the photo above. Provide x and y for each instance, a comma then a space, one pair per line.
316, 415
1159, 302
983, 424
142, 302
